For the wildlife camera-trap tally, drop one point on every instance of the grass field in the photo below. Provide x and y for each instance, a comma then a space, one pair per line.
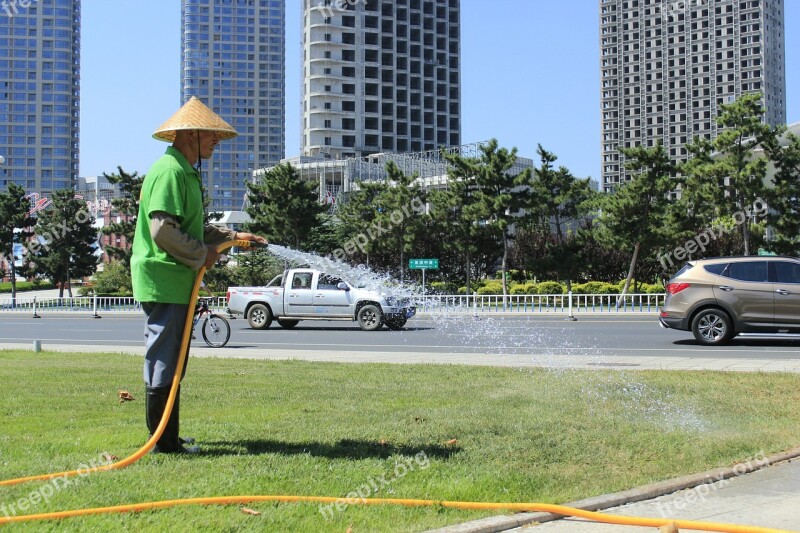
397, 431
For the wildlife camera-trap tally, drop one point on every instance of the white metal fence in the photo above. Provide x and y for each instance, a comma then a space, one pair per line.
541, 303
483, 303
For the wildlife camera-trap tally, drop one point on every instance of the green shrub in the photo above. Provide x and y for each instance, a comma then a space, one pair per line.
651, 288
580, 288
27, 286
516, 288
594, 287
444, 287
474, 286
551, 287
114, 280
493, 287
528, 287
531, 288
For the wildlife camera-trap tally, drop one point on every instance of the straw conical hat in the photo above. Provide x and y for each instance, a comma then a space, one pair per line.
194, 115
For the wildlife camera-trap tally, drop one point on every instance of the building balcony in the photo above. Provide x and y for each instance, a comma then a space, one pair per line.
319, 110
322, 129
333, 43
316, 93
331, 77
332, 25
329, 61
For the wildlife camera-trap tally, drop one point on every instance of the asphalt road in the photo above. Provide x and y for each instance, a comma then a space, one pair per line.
590, 336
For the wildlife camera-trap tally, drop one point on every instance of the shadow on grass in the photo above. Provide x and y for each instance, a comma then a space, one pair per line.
344, 449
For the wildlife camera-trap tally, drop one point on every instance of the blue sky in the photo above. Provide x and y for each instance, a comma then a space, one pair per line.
530, 75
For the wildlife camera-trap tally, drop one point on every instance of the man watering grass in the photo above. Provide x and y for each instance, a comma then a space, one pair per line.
172, 242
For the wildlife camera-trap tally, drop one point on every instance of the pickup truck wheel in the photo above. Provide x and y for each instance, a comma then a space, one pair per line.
396, 323
287, 324
370, 318
259, 316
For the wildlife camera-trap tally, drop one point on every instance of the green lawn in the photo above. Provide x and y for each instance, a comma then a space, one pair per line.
387, 430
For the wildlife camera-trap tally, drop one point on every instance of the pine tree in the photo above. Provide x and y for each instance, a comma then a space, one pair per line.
15, 222
784, 198
635, 216
725, 176
283, 207
400, 215
127, 206
560, 203
65, 240
499, 193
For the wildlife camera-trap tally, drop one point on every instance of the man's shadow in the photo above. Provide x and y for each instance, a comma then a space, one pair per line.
346, 448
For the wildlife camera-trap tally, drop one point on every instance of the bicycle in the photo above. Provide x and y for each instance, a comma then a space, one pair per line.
216, 330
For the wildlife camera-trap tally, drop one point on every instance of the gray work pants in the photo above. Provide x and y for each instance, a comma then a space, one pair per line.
163, 332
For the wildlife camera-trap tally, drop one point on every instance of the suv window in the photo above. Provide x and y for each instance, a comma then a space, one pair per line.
787, 272
716, 268
684, 268
748, 271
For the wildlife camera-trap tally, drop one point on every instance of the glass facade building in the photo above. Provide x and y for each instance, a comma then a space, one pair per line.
233, 59
667, 67
40, 94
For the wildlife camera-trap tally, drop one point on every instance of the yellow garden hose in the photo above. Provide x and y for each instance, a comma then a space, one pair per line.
473, 506
176, 381
227, 500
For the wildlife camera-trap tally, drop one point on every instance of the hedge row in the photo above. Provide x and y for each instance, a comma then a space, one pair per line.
27, 286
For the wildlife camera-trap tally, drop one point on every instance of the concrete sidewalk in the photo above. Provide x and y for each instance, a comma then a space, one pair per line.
543, 359
766, 498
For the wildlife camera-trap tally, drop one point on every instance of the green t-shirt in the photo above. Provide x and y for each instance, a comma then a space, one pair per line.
173, 186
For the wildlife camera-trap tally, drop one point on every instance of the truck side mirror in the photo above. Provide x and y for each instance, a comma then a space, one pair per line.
342, 286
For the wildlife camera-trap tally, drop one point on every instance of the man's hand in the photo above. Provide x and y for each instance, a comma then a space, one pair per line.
212, 255
244, 236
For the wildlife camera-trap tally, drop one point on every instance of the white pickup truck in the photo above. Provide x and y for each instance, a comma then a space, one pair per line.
309, 294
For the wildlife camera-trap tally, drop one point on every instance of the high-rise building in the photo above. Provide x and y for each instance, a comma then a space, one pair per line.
40, 94
666, 67
233, 59
380, 76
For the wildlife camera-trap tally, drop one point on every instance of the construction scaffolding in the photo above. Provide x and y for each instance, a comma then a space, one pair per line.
337, 177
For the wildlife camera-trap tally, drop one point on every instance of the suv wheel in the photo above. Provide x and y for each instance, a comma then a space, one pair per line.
712, 327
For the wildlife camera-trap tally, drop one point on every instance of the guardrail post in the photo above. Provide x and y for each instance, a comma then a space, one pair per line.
35, 315
94, 305
571, 317
475, 305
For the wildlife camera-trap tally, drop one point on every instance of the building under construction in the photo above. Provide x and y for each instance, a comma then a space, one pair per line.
337, 177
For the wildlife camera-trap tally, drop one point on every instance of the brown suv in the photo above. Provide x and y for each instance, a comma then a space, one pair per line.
716, 299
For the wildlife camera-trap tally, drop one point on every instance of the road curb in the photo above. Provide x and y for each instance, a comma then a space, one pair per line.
494, 524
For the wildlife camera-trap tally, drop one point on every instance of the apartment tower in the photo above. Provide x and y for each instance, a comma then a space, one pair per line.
233, 59
667, 66
40, 94
380, 76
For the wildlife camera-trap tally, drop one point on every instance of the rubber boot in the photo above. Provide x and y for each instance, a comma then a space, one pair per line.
175, 419
155, 403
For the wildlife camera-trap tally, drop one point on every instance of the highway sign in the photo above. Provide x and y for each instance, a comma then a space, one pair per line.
424, 264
